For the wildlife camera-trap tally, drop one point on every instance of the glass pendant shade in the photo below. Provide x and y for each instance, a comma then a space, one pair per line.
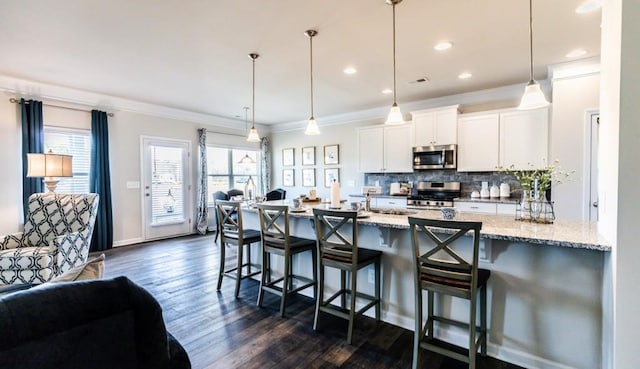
253, 135
533, 97
395, 116
312, 127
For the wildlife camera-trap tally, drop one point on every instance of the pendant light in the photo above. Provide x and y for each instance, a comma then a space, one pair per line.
246, 159
395, 116
533, 97
312, 126
253, 133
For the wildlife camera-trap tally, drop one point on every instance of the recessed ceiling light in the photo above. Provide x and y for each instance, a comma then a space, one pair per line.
576, 53
387, 91
465, 75
349, 70
444, 45
589, 6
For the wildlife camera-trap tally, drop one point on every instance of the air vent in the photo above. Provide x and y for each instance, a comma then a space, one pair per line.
420, 80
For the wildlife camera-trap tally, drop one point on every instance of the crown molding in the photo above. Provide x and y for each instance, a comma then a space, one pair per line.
575, 68
510, 92
71, 96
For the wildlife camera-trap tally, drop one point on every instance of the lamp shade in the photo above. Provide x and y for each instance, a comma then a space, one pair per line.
49, 165
312, 127
533, 97
395, 116
253, 135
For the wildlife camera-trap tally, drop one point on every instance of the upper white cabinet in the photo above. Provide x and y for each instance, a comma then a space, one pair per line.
524, 138
371, 149
478, 142
436, 126
385, 149
502, 138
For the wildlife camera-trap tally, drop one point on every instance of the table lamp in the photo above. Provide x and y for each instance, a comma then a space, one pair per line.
50, 166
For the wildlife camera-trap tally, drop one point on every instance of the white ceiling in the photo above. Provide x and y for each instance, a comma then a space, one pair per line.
192, 55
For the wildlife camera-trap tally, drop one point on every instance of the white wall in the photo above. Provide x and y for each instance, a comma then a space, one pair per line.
572, 97
620, 169
343, 135
125, 130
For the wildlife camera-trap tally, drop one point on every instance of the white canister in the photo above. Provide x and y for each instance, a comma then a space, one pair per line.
505, 190
494, 191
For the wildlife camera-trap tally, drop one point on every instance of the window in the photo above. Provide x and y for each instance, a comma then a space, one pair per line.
74, 142
224, 171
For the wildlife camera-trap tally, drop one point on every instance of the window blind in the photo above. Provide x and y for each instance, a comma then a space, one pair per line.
77, 143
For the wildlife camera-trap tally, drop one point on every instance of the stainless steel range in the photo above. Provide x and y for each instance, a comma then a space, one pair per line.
434, 195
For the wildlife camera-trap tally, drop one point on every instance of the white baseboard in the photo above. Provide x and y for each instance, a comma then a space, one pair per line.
509, 355
130, 241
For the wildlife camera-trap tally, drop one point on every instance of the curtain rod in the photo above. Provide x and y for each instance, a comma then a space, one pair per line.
16, 101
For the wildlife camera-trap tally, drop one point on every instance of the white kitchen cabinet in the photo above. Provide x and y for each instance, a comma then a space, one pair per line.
436, 126
495, 139
385, 149
524, 138
506, 209
399, 202
371, 149
476, 207
500, 208
478, 142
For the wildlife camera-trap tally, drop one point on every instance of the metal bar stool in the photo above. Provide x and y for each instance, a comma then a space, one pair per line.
442, 270
338, 248
232, 233
278, 241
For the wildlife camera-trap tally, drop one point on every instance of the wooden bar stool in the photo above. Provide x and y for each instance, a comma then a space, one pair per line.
232, 233
276, 240
338, 248
442, 270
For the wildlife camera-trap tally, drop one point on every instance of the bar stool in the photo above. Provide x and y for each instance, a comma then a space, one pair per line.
338, 248
442, 270
278, 241
232, 233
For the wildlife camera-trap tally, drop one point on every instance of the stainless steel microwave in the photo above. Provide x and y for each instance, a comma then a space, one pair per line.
435, 157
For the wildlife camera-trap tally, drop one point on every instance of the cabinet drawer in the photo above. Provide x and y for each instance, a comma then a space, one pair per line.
476, 207
507, 209
400, 202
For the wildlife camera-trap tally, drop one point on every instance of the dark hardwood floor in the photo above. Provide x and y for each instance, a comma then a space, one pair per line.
219, 331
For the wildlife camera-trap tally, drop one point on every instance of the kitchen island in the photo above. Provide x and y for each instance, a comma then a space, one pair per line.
544, 295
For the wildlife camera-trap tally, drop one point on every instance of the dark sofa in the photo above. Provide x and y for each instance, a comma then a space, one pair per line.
110, 324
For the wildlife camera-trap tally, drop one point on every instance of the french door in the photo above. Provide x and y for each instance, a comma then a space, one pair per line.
166, 190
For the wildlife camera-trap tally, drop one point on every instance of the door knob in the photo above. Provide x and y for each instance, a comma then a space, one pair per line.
595, 204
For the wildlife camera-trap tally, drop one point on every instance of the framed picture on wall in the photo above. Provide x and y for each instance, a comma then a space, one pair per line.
331, 174
288, 178
309, 177
288, 158
309, 155
331, 155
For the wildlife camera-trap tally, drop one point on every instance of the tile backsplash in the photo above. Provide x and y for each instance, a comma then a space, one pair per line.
469, 181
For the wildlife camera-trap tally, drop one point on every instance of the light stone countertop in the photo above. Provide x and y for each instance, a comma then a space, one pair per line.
563, 233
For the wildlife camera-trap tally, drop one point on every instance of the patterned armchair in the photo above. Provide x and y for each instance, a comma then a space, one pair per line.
57, 234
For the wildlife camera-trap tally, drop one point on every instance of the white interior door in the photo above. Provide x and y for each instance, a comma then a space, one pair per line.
593, 168
166, 190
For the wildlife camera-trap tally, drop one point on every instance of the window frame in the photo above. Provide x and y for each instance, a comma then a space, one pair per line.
230, 174
52, 129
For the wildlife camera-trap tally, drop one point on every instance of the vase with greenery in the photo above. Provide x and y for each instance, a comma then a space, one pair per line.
535, 183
